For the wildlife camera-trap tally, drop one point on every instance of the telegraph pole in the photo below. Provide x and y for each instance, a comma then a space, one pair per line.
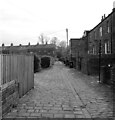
67, 46
67, 36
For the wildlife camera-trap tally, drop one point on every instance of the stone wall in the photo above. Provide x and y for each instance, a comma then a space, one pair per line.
0, 104
10, 96
113, 75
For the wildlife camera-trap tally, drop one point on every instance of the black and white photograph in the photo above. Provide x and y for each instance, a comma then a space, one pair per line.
57, 59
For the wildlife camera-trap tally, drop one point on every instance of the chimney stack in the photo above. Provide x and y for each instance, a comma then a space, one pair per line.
102, 18
11, 44
3, 45
29, 44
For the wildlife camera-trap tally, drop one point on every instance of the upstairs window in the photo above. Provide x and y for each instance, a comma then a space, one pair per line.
100, 30
94, 50
94, 34
108, 28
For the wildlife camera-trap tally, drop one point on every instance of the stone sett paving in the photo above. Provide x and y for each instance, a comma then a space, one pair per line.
51, 98
98, 98
54, 97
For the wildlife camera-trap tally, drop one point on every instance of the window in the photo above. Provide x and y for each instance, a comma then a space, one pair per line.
100, 30
108, 29
94, 35
94, 50
107, 47
88, 51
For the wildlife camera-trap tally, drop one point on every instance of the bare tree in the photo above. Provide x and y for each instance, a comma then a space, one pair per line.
54, 40
62, 44
43, 39
46, 39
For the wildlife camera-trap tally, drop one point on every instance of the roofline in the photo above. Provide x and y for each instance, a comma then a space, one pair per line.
39, 45
102, 21
75, 38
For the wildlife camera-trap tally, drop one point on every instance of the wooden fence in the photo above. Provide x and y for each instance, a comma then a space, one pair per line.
18, 68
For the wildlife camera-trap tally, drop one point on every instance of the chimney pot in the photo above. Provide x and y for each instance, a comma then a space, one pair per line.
11, 44
102, 18
29, 43
2, 44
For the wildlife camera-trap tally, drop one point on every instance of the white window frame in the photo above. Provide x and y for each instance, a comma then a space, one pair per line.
93, 50
105, 47
108, 29
109, 47
100, 30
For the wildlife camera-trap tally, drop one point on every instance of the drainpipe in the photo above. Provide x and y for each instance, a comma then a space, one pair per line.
111, 36
99, 60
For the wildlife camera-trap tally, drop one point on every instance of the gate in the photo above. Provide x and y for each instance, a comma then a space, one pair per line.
25, 74
18, 68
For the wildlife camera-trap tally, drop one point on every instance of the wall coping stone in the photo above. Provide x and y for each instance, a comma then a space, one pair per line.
4, 86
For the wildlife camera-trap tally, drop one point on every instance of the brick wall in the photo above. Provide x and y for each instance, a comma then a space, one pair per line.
0, 104
74, 46
84, 66
10, 96
113, 33
113, 74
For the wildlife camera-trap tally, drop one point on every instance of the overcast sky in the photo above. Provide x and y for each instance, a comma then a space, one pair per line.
22, 21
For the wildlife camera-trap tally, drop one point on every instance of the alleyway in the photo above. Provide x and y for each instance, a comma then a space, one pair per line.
61, 92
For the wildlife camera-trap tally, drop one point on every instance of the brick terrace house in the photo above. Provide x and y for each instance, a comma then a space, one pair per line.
38, 49
96, 46
101, 44
78, 51
74, 43
83, 53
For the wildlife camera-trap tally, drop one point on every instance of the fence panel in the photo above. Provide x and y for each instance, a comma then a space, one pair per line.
18, 68
0, 71
4, 69
30, 71
26, 61
21, 75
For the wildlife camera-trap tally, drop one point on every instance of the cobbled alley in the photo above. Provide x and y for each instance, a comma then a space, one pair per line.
61, 92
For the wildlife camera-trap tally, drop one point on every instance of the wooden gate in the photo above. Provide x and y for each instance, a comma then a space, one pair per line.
19, 68
26, 74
